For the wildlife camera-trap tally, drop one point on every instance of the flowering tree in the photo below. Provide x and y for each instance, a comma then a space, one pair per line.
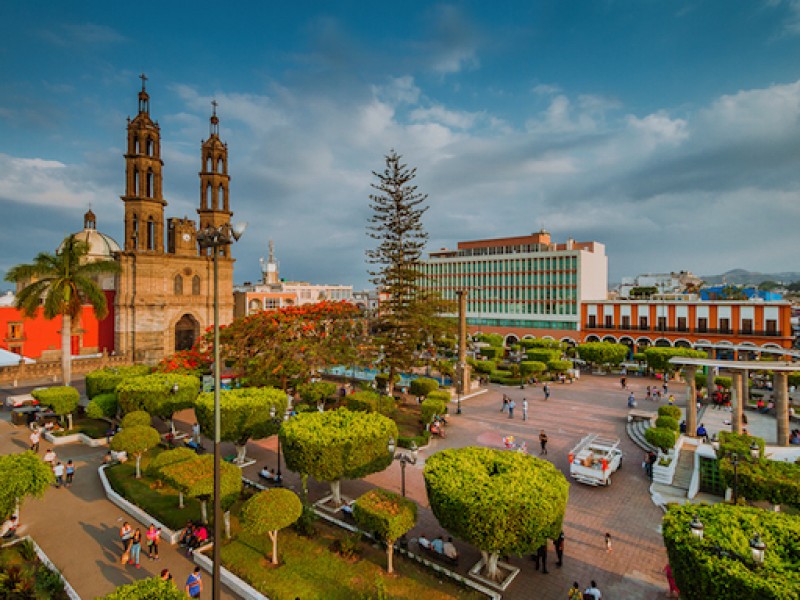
284, 347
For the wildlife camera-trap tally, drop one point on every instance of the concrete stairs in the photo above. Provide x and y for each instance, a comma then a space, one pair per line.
685, 468
636, 431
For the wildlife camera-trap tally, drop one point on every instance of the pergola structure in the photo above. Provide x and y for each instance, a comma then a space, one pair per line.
739, 390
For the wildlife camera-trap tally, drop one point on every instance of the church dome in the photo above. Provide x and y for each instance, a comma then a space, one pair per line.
101, 246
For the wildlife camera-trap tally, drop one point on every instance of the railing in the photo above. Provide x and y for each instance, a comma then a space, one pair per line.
697, 331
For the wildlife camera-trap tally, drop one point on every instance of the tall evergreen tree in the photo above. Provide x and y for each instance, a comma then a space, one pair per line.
407, 315
62, 283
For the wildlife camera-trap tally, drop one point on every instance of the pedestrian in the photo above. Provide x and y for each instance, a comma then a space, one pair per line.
153, 536
575, 592
543, 442
196, 433
631, 400
673, 587
70, 471
608, 543
35, 438
524, 409
558, 543
593, 591
541, 558
194, 584
546, 390
511, 406
125, 535
50, 458
649, 395
651, 459
623, 383
665, 386
671, 400
58, 471
505, 403
136, 548
166, 575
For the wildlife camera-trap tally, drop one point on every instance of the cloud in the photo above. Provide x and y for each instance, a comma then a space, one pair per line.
450, 118
452, 43
81, 34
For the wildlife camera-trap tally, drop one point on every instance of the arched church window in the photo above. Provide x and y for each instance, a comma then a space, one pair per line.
209, 196
135, 231
195, 285
149, 147
151, 234
149, 183
209, 164
135, 181
220, 166
178, 285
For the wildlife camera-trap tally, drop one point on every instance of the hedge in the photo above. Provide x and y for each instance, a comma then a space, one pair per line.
442, 395
104, 381
668, 423
422, 386
430, 407
103, 406
720, 565
492, 352
559, 366
484, 367
366, 401
661, 437
316, 391
730, 442
63, 399
170, 457
136, 418
543, 355
154, 587
541, 343
670, 411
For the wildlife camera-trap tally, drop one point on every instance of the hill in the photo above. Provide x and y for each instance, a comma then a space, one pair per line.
743, 277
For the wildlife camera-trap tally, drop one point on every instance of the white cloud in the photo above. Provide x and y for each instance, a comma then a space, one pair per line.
449, 118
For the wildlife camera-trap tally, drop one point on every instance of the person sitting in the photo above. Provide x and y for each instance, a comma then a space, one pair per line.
348, 508
49, 426
192, 444
9, 527
701, 432
450, 550
683, 426
760, 406
770, 407
423, 542
795, 437
267, 475
199, 537
436, 429
120, 456
437, 545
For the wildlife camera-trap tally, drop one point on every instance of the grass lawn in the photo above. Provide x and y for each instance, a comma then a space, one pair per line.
160, 502
94, 428
310, 570
22, 575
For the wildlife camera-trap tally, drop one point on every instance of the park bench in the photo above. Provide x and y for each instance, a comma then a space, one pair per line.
638, 414
431, 553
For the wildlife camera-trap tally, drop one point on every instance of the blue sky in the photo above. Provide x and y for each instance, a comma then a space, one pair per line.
669, 131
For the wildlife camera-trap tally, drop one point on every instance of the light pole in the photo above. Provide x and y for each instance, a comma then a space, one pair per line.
735, 465
277, 420
458, 393
214, 238
405, 458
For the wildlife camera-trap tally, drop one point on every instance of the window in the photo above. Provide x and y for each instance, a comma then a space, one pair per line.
682, 324
662, 323
643, 323
196, 285
609, 321
702, 324
255, 305
592, 321
15, 331
151, 234
135, 181
149, 190
177, 285
724, 325
747, 325
771, 326
626, 322
149, 147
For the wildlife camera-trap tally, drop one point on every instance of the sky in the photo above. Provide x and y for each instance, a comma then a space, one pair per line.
667, 130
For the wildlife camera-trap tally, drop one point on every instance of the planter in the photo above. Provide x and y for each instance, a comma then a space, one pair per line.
502, 585
60, 440
68, 589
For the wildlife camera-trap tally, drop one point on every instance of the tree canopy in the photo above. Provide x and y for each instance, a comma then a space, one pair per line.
195, 478
502, 502
160, 394
386, 514
603, 353
245, 414
658, 358
135, 441
106, 380
61, 284
269, 512
22, 475
337, 444
63, 399
152, 587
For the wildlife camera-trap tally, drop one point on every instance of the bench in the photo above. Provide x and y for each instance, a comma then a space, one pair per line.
638, 414
430, 552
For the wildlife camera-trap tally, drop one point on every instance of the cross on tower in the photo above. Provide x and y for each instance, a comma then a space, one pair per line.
143, 77
214, 107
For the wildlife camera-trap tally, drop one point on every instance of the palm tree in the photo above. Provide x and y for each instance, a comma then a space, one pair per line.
62, 283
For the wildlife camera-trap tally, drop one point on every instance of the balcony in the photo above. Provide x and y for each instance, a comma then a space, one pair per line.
704, 331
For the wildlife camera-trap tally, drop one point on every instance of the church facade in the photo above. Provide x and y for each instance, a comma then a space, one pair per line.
164, 291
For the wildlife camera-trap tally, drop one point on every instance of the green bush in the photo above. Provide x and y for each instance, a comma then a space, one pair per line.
63, 399
541, 343
670, 411
160, 394
306, 522
367, 401
719, 565
420, 440
668, 423
442, 395
700, 380
154, 587
493, 339
104, 381
661, 437
723, 382
484, 367
543, 355
491, 352
169, 457
422, 386
739, 443
316, 392
559, 366
102, 406
136, 418
430, 407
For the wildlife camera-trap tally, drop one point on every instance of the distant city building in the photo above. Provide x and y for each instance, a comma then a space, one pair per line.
724, 328
662, 283
521, 286
272, 292
721, 292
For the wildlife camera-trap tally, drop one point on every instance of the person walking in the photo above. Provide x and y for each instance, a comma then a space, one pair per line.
50, 458
511, 406
125, 535
505, 404
558, 543
70, 472
524, 409
673, 587
608, 546
196, 433
546, 390
136, 548
575, 592
58, 471
650, 460
623, 382
593, 591
35, 438
166, 575
543, 442
541, 558
153, 536
194, 584
631, 400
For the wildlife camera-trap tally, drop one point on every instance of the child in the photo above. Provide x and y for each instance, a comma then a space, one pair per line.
70, 472
608, 542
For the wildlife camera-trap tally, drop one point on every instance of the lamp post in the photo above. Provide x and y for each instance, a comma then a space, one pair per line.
214, 238
405, 458
735, 465
458, 394
757, 548
277, 420
755, 450
697, 528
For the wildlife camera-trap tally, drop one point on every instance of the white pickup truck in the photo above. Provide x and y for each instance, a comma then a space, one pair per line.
594, 459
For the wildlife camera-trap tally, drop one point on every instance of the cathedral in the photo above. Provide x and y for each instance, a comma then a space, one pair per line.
163, 294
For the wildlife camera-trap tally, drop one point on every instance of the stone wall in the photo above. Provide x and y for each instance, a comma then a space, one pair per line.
51, 371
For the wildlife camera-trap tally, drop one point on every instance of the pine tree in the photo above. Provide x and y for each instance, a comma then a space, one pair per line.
405, 317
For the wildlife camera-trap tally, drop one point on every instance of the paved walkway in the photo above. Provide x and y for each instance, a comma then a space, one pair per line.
77, 527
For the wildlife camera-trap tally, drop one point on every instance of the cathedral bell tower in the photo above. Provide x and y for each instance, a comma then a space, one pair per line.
214, 209
144, 200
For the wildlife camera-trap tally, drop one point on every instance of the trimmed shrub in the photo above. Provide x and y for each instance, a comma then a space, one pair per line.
170, 457
668, 423
559, 366
661, 437
422, 386
420, 440
136, 418
366, 401
104, 381
541, 343
670, 411
316, 391
543, 355
723, 382
700, 380
63, 399
442, 395
492, 352
730, 442
154, 587
102, 406
430, 407
160, 394
493, 339
484, 367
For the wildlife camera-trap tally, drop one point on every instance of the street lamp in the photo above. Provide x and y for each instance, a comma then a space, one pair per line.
755, 450
757, 548
458, 394
405, 458
277, 420
214, 238
697, 528
735, 465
